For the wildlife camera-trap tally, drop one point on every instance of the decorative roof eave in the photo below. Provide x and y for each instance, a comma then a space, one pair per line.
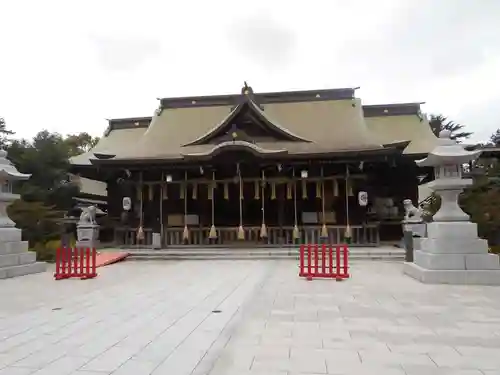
91, 201
448, 152
103, 155
179, 160
461, 156
399, 145
8, 174
258, 112
8, 171
235, 145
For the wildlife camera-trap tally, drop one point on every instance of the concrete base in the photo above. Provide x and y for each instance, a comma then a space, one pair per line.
22, 270
418, 229
88, 235
458, 277
453, 254
15, 259
458, 261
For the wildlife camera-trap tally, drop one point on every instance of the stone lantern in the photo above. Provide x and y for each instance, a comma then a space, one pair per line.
15, 259
8, 174
451, 252
447, 160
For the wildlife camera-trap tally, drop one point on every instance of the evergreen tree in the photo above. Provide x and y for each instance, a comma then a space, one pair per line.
439, 122
4, 133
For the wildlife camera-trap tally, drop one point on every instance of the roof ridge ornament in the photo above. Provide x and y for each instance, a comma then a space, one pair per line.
246, 90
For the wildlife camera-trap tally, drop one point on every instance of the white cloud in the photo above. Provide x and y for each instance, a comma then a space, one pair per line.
67, 66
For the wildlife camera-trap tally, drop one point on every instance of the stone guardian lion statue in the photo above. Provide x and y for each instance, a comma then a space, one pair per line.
88, 215
412, 213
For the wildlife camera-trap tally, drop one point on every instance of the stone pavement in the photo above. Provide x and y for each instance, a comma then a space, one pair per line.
245, 317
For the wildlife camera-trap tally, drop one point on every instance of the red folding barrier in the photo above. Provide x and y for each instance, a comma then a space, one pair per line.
324, 261
75, 262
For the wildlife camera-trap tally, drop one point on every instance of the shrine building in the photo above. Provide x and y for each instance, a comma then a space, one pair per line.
261, 169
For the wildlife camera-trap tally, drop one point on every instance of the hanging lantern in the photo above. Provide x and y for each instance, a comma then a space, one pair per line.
335, 188
363, 198
318, 189
182, 193
273, 190
210, 191
165, 191
127, 203
226, 191
195, 191
289, 188
349, 188
256, 189
304, 189
151, 192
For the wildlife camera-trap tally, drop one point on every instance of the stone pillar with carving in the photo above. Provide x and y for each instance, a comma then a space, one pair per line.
451, 252
15, 259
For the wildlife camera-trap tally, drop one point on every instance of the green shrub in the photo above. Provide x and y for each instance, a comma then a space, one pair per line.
45, 252
495, 249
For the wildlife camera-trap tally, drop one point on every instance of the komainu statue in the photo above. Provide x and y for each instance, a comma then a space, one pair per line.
412, 213
87, 216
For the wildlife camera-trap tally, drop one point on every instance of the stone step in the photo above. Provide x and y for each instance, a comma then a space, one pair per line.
10, 234
7, 248
22, 270
389, 254
10, 260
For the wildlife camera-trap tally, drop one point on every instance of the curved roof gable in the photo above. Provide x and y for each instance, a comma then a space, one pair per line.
247, 104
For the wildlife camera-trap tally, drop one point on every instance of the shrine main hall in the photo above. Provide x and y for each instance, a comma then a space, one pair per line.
261, 169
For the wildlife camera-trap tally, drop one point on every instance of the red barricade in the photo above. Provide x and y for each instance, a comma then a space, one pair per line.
324, 261
75, 262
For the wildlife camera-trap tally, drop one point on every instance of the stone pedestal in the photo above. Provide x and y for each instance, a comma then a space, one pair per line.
451, 253
15, 259
87, 235
418, 229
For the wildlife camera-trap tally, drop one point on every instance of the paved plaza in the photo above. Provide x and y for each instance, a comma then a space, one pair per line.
245, 318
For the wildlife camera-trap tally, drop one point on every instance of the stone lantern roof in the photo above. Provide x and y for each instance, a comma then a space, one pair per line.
9, 171
448, 152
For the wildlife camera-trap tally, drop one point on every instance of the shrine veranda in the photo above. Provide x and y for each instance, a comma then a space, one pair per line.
271, 169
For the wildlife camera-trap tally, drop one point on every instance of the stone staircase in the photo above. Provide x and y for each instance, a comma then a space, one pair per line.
16, 260
384, 253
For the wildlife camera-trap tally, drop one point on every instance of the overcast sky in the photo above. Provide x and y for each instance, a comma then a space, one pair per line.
66, 66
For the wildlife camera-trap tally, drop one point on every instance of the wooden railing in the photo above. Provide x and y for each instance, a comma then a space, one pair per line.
362, 235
